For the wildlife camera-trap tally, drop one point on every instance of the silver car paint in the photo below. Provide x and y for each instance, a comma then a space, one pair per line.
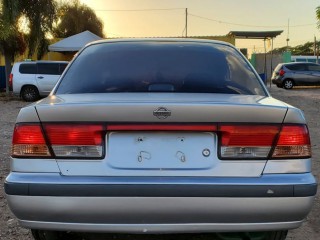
162, 228
184, 108
133, 214
200, 108
271, 166
300, 78
160, 215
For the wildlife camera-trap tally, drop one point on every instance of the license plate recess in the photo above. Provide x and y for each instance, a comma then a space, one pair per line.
161, 150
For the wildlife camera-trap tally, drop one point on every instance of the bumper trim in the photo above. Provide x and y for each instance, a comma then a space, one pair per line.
159, 190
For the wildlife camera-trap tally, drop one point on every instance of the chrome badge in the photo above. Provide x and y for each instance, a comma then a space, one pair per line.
162, 113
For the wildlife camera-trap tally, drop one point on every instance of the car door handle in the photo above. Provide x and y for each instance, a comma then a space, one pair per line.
40, 77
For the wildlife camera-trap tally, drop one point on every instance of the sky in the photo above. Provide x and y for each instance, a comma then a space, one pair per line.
210, 18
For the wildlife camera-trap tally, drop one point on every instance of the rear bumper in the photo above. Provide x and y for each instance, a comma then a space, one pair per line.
160, 205
276, 81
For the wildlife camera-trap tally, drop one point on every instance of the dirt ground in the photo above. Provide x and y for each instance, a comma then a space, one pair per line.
307, 99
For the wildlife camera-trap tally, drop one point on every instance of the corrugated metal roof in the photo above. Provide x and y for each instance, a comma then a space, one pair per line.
74, 43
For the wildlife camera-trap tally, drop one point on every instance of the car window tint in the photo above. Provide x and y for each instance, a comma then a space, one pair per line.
48, 68
161, 67
314, 67
297, 67
28, 68
62, 67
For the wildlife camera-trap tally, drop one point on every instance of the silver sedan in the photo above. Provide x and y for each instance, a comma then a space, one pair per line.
160, 136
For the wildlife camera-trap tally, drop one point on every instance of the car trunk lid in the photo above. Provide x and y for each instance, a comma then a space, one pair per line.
184, 142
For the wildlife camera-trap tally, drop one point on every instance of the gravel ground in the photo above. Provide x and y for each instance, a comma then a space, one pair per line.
307, 99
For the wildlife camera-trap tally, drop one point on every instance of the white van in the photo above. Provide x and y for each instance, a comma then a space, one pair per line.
32, 80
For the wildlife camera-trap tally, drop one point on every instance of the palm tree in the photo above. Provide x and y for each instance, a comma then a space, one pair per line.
318, 15
39, 13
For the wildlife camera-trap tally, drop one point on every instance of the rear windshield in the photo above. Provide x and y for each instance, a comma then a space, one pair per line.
160, 67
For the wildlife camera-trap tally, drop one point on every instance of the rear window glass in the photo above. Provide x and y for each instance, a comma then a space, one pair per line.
28, 68
314, 68
160, 67
297, 67
48, 68
62, 67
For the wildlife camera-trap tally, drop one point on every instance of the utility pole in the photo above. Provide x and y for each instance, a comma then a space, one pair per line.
288, 35
186, 22
315, 46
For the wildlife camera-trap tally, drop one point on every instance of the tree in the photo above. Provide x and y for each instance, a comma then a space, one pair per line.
75, 18
302, 49
318, 16
11, 40
281, 50
40, 15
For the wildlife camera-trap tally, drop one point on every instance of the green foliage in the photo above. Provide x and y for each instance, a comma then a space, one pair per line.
302, 49
318, 16
75, 18
11, 40
41, 15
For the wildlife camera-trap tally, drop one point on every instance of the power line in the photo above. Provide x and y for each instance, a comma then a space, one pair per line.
137, 10
246, 25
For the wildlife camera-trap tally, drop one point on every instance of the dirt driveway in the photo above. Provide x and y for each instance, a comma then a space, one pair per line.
307, 99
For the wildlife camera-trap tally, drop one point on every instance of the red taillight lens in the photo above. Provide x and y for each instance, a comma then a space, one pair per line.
247, 141
73, 134
260, 135
281, 72
75, 140
28, 140
162, 127
294, 141
10, 79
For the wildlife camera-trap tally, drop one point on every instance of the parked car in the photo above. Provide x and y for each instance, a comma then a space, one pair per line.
30, 80
160, 136
287, 75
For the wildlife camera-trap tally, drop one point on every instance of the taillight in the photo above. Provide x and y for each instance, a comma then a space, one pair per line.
256, 141
236, 141
66, 140
28, 141
293, 142
10, 79
247, 141
75, 140
281, 72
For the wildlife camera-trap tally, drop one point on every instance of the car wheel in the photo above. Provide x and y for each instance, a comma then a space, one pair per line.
277, 235
45, 235
50, 235
30, 93
288, 84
